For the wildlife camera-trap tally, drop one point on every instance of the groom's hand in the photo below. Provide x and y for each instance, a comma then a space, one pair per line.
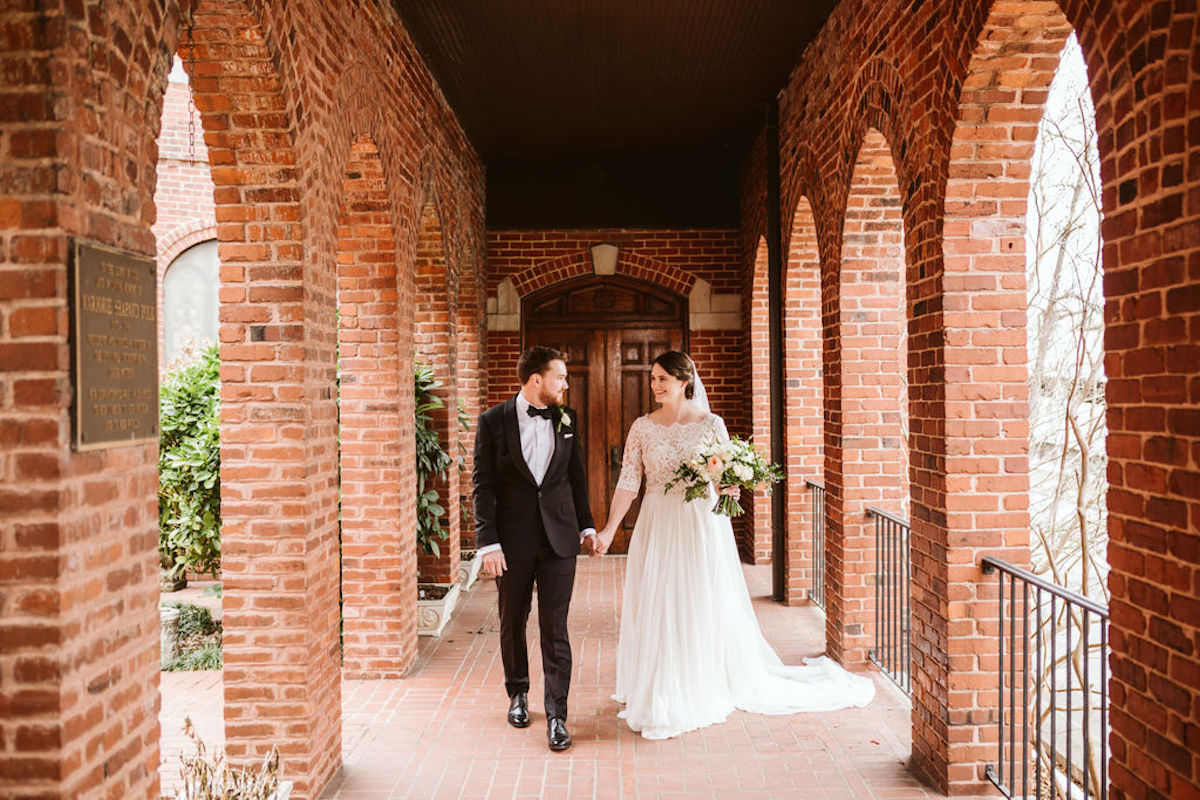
494, 563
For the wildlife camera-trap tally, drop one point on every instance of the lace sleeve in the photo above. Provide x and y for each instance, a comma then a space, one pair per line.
631, 460
719, 429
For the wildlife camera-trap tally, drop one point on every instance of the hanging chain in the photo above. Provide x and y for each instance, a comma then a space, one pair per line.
191, 61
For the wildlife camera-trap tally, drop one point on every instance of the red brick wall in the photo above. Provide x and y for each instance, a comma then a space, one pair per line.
670, 258
868, 344
183, 195
471, 332
184, 188
903, 70
803, 397
757, 548
379, 593
283, 91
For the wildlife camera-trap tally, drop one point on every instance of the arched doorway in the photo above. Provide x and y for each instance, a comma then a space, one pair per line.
611, 330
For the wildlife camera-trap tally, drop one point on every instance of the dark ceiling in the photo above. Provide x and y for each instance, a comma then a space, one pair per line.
597, 113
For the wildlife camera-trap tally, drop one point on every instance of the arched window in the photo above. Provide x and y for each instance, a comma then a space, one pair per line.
190, 299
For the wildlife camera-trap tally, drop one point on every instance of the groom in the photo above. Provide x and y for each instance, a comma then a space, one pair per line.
531, 512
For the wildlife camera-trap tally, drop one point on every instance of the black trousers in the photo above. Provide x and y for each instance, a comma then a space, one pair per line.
555, 578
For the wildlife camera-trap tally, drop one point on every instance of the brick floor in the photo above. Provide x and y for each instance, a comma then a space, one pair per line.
441, 732
188, 694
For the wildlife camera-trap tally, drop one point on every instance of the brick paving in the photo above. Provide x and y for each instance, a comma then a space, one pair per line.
194, 695
441, 732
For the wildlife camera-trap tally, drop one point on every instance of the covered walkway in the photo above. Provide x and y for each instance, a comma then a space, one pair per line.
441, 733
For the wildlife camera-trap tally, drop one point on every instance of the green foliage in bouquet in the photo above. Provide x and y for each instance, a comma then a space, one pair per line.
433, 462
189, 467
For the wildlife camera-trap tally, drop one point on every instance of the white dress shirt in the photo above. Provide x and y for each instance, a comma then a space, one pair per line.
537, 447
537, 439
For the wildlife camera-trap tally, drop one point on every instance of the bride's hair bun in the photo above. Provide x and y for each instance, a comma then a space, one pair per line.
678, 365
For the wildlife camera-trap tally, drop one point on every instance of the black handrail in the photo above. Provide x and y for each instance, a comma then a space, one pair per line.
893, 598
1043, 604
816, 495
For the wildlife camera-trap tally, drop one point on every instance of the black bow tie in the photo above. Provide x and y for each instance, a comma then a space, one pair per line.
544, 413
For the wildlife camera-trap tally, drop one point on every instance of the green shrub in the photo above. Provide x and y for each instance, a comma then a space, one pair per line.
206, 657
432, 462
199, 639
189, 467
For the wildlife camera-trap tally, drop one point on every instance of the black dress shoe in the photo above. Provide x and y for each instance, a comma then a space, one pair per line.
518, 711
556, 734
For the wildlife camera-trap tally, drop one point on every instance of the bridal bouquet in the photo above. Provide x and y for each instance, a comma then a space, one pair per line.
732, 463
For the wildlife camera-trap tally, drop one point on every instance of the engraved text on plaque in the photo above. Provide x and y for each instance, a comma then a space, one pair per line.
114, 340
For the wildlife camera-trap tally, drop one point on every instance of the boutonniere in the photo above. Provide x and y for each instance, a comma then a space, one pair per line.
564, 419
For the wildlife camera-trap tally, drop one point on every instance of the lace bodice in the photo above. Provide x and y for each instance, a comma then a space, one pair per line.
656, 450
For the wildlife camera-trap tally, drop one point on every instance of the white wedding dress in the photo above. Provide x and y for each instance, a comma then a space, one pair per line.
690, 649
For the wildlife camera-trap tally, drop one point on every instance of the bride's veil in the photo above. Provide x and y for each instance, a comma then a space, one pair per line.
699, 396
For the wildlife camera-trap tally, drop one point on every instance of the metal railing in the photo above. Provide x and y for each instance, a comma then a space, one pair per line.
816, 497
893, 598
1063, 726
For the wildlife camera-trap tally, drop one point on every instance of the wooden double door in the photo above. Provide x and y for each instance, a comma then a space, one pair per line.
611, 331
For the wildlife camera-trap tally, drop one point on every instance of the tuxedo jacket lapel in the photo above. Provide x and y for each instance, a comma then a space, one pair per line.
512, 432
560, 449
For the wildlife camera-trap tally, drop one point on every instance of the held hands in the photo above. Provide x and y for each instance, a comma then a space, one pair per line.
601, 542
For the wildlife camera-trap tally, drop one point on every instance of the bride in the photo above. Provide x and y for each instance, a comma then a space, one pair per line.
690, 649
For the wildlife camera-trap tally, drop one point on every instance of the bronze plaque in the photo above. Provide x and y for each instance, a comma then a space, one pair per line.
114, 338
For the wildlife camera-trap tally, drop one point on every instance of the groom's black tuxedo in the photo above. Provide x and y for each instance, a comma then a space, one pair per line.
511, 509
538, 528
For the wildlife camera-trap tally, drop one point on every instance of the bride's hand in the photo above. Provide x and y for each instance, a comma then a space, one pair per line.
733, 491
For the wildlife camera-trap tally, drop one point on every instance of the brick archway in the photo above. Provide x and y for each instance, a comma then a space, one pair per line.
379, 589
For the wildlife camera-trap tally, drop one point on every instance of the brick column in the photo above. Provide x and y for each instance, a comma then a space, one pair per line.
871, 465
278, 421
985, 396
803, 394
471, 330
436, 344
379, 592
756, 548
